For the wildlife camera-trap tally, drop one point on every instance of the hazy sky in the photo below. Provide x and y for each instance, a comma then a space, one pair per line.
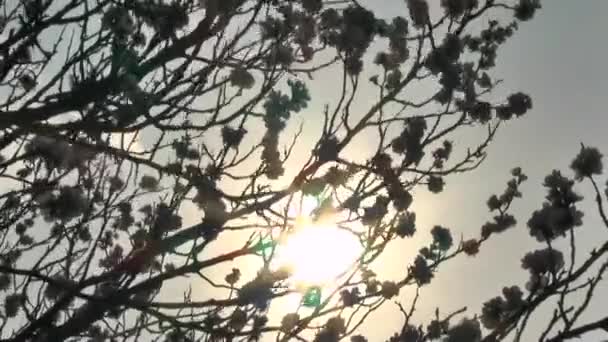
559, 59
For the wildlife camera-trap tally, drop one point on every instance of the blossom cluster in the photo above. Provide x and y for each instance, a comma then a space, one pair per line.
278, 108
398, 52
558, 214
59, 154
541, 264
64, 204
498, 310
331, 332
503, 220
259, 291
409, 142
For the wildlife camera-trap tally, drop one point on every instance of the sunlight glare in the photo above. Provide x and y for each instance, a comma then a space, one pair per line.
318, 254
308, 205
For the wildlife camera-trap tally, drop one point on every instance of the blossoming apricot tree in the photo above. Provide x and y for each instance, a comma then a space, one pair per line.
121, 120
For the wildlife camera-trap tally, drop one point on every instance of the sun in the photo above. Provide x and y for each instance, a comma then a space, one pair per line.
318, 254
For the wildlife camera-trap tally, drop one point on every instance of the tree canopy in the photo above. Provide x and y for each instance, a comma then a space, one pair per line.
137, 136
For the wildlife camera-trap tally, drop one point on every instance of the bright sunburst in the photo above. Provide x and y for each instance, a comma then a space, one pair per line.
319, 253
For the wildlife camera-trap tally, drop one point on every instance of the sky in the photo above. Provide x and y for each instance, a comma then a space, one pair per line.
559, 59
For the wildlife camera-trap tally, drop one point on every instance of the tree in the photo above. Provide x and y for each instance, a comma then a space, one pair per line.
118, 117
560, 276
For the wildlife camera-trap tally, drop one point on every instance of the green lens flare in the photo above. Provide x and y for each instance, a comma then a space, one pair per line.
312, 297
